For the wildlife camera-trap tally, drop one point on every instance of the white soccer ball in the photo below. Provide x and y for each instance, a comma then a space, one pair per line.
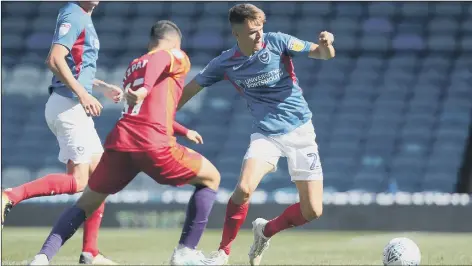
401, 251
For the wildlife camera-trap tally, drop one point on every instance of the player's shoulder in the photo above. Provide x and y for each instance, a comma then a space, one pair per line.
72, 11
276, 36
225, 56
177, 54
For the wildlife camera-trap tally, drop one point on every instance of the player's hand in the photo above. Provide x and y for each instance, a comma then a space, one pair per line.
193, 135
91, 105
326, 38
135, 97
113, 93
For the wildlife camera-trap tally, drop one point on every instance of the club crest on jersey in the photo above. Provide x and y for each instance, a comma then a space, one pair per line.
295, 45
264, 56
64, 29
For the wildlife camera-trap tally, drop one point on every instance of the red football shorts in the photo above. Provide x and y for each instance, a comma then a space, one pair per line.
173, 166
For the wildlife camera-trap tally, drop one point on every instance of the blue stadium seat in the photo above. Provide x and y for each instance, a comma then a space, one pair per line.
39, 41
368, 183
49, 8
443, 43
448, 9
15, 25
113, 25
315, 9
408, 42
152, 9
19, 9
278, 24
443, 25
344, 24
349, 9
216, 8
206, 40
282, 8
415, 9
120, 9
184, 8
382, 9
377, 25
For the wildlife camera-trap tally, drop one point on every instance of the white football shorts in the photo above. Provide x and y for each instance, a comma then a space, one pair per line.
299, 146
74, 129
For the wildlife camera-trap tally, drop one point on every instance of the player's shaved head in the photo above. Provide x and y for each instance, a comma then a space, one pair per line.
164, 29
165, 34
241, 13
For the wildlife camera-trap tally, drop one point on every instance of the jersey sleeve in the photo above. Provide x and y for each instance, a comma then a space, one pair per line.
291, 45
158, 63
68, 29
211, 74
179, 129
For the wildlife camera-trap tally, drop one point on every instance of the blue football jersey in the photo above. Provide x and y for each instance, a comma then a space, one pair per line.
76, 32
266, 80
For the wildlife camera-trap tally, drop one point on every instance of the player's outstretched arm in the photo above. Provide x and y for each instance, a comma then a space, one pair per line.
191, 135
190, 90
324, 49
110, 91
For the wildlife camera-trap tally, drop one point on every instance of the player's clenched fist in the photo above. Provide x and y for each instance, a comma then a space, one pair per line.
135, 97
326, 38
91, 105
193, 135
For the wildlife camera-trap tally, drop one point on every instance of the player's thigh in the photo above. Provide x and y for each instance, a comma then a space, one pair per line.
261, 158
311, 198
113, 173
176, 166
75, 131
302, 153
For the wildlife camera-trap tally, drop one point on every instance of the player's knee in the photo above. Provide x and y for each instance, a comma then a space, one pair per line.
90, 200
243, 192
311, 211
214, 180
208, 176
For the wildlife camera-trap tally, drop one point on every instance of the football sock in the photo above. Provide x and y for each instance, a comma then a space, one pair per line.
52, 184
91, 227
292, 216
69, 221
198, 210
235, 217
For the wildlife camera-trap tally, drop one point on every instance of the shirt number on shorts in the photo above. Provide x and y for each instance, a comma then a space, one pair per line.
315, 159
135, 109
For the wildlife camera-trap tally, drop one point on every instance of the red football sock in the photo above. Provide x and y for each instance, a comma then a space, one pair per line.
52, 184
292, 216
91, 226
235, 217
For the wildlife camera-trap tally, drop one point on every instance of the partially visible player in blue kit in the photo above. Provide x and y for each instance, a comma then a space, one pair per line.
69, 110
260, 67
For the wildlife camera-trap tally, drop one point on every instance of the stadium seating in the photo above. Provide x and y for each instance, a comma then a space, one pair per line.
392, 108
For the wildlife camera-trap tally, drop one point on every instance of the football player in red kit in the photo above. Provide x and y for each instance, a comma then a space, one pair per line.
143, 141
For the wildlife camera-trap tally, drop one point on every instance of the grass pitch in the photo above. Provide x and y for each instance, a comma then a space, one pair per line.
291, 247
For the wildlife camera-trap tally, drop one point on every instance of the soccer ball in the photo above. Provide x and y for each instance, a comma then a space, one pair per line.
401, 251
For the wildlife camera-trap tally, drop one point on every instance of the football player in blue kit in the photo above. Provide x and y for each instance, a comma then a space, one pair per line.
260, 67
68, 112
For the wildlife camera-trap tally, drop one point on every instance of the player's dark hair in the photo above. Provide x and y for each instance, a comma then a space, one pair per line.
162, 28
239, 13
